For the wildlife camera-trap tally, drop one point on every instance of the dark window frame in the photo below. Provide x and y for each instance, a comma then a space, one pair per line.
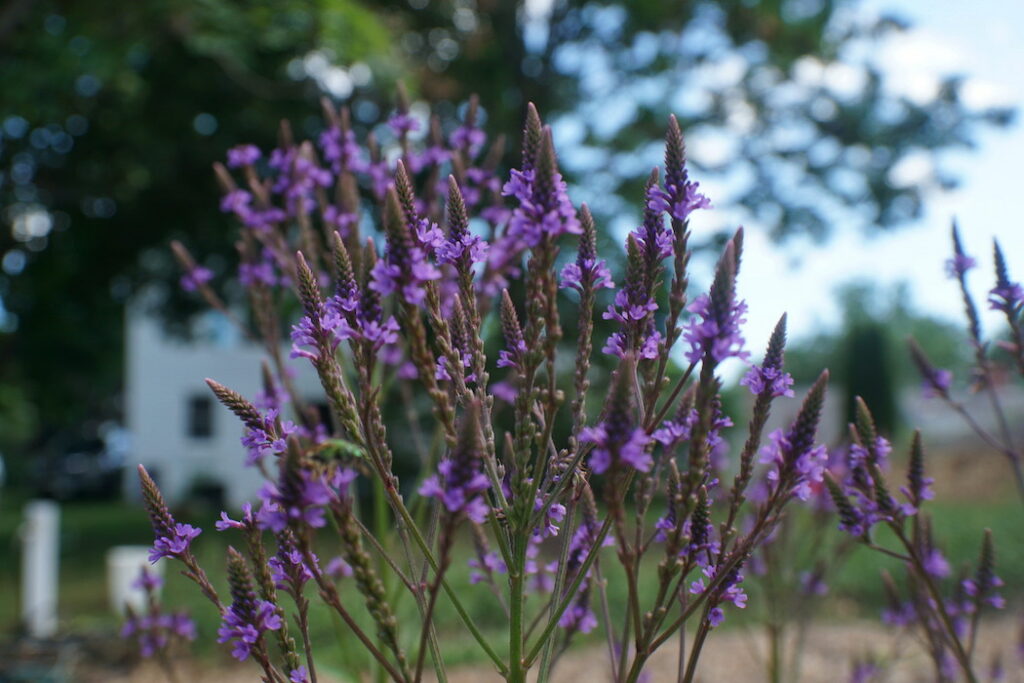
199, 421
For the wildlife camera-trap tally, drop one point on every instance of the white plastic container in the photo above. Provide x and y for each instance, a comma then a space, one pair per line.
124, 565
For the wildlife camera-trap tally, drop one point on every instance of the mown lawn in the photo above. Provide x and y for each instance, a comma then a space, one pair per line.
90, 528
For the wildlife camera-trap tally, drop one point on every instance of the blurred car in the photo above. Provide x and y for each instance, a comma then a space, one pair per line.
84, 468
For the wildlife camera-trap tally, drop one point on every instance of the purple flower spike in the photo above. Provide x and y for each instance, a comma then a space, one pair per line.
798, 466
680, 197
1007, 296
461, 480
714, 333
618, 440
544, 208
248, 618
172, 539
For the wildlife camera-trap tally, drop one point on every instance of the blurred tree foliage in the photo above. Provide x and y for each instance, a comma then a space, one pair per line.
113, 111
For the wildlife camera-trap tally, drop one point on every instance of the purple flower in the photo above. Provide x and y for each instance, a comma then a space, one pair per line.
338, 568
937, 383
341, 150
935, 563
808, 466
544, 208
618, 440
147, 581
1007, 298
654, 238
989, 595
729, 590
245, 622
676, 431
288, 567
243, 155
173, 542
629, 447
405, 270
717, 333
340, 219
586, 270
774, 381
300, 497
319, 333
460, 480
268, 438
633, 309
454, 247
510, 358
467, 138
484, 565
579, 616
196, 278
300, 675
247, 521
403, 123
680, 197
958, 265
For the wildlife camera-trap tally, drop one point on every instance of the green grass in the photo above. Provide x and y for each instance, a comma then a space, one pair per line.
90, 528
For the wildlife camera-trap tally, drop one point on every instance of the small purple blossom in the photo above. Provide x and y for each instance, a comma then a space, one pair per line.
468, 138
299, 498
196, 278
460, 480
403, 123
485, 565
243, 155
807, 467
716, 335
958, 265
248, 520
173, 542
774, 381
728, 590
338, 568
245, 623
629, 448
268, 438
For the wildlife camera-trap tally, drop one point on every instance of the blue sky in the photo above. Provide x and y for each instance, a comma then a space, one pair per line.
976, 39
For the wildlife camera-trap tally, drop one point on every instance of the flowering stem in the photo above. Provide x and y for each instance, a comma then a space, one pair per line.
917, 563
563, 565
570, 593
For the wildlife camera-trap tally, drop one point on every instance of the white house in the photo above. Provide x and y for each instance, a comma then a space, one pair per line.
179, 431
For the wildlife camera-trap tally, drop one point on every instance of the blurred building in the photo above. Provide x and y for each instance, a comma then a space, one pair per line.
188, 441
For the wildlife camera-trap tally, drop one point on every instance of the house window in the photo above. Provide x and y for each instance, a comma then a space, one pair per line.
200, 417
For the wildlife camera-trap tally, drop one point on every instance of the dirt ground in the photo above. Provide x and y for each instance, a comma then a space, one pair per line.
733, 656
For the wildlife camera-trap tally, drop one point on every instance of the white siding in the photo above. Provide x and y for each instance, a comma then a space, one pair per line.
162, 374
